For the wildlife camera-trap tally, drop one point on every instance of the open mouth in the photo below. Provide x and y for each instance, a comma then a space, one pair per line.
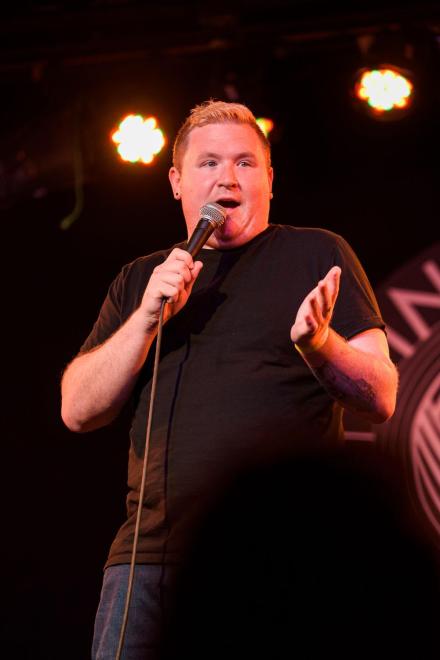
228, 203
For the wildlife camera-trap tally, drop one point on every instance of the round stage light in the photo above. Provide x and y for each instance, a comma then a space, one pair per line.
384, 90
138, 139
265, 124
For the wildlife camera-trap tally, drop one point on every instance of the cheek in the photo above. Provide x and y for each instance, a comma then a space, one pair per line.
258, 193
195, 195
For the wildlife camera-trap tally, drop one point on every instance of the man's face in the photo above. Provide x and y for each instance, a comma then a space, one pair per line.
225, 163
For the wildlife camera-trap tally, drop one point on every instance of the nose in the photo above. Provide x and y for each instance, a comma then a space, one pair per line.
228, 176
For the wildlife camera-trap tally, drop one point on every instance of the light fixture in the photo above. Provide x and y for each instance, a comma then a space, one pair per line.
265, 124
385, 91
138, 139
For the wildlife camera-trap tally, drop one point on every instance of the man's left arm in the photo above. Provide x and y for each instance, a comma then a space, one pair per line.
358, 373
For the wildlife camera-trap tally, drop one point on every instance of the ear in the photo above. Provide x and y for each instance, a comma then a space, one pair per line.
174, 177
270, 177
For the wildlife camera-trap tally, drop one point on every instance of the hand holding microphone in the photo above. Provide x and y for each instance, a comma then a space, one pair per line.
175, 277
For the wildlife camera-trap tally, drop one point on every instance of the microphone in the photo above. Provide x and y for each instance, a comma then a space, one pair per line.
212, 216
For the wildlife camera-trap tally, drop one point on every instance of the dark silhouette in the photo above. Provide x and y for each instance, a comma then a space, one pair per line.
318, 557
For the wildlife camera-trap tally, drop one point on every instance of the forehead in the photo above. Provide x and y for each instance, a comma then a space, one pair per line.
225, 139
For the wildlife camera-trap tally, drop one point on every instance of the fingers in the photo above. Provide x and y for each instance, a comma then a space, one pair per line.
194, 274
173, 280
331, 281
180, 255
315, 313
198, 265
316, 307
182, 284
172, 276
325, 306
328, 290
178, 262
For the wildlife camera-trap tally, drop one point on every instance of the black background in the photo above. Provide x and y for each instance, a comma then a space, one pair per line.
69, 72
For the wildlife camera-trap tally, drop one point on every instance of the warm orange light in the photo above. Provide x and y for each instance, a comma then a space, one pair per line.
138, 139
265, 124
384, 89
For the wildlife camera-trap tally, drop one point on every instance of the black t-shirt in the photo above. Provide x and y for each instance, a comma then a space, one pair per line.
232, 390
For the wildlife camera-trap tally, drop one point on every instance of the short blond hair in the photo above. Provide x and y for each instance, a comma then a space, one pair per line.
216, 112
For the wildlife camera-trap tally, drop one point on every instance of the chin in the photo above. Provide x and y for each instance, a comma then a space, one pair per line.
233, 236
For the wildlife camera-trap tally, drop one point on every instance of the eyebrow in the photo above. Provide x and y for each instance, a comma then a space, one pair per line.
211, 154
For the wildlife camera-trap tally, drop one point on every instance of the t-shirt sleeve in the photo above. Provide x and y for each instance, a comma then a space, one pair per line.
110, 316
123, 297
356, 308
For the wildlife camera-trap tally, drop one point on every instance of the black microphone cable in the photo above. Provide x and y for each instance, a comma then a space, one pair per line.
143, 481
212, 217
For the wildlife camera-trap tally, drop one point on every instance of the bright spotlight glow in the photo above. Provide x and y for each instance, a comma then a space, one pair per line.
384, 90
265, 124
138, 139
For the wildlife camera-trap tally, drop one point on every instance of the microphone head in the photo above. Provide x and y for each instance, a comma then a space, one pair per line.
214, 213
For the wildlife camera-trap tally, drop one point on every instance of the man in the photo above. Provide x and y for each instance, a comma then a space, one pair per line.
268, 336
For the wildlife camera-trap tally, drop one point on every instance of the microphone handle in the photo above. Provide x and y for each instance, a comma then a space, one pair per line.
199, 236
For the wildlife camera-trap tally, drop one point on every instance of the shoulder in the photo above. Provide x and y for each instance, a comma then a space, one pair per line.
144, 263
306, 235
310, 242
129, 284
143, 266
313, 251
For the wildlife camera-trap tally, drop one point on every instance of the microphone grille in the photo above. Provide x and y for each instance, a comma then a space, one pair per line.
213, 212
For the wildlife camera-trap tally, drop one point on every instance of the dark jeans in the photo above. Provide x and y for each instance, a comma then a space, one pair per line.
150, 597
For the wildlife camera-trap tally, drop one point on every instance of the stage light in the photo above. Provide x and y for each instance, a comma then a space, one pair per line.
138, 139
265, 124
384, 90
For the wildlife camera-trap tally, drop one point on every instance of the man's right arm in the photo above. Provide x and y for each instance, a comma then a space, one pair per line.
96, 384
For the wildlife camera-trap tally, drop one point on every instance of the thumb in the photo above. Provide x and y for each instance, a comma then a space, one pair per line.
198, 265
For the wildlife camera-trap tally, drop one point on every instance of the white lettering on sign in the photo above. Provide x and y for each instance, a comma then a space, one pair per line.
407, 301
425, 437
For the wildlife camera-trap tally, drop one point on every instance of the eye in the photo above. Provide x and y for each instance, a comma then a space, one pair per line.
244, 163
209, 163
